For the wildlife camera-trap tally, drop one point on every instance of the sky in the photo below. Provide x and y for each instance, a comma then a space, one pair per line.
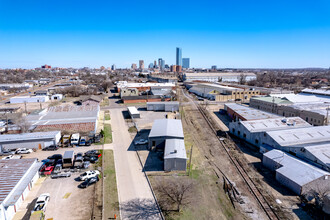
229, 34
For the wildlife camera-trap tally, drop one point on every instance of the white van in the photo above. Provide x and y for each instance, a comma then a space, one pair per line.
75, 139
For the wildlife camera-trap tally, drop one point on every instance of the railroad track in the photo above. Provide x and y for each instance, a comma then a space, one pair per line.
249, 182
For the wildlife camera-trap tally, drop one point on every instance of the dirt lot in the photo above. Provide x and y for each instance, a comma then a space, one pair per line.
67, 201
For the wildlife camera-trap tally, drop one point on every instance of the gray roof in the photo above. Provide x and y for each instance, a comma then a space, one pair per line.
294, 169
175, 148
165, 103
321, 152
275, 124
11, 172
167, 128
300, 136
65, 114
250, 113
28, 136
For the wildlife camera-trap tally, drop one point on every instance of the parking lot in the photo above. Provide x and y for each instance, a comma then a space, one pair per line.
67, 201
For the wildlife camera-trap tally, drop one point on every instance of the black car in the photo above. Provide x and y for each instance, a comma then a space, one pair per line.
91, 159
55, 157
89, 182
94, 153
51, 148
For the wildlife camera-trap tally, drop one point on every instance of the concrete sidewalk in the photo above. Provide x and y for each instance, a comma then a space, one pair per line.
135, 197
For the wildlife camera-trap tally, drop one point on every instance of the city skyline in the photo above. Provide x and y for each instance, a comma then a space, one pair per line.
237, 34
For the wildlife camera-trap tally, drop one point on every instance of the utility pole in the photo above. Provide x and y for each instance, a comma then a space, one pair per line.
190, 160
25, 107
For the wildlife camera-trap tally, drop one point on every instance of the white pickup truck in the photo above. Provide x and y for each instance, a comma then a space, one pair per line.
89, 174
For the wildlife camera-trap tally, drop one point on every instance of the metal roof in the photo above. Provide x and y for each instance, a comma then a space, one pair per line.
65, 114
302, 98
167, 128
274, 124
11, 172
165, 103
300, 136
133, 110
250, 113
317, 91
214, 74
136, 85
272, 99
321, 152
28, 136
294, 169
175, 148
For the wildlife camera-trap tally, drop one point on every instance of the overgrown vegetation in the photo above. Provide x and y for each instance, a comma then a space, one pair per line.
107, 117
111, 204
107, 134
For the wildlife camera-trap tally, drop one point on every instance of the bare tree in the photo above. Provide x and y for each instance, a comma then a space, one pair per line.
174, 192
242, 79
22, 124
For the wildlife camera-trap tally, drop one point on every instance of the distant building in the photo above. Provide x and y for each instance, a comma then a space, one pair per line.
214, 68
133, 67
46, 66
186, 63
163, 106
218, 77
155, 64
141, 64
178, 56
161, 63
173, 68
151, 66
113, 67
28, 99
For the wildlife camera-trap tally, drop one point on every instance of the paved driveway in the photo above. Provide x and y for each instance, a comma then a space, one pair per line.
135, 196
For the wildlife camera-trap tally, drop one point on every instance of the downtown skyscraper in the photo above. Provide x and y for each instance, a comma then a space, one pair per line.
186, 63
178, 56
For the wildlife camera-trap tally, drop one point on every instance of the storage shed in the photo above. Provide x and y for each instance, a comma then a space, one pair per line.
295, 174
133, 112
37, 140
28, 99
175, 157
163, 106
164, 129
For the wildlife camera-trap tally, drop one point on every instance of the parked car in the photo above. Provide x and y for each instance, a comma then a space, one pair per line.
94, 153
47, 170
91, 159
141, 142
41, 202
51, 148
89, 174
55, 157
6, 153
79, 160
84, 141
60, 175
74, 140
86, 164
23, 151
9, 157
88, 182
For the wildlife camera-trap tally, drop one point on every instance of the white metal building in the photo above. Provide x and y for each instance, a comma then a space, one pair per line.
28, 99
56, 97
133, 112
220, 76
163, 106
17, 177
37, 140
175, 157
295, 174
254, 131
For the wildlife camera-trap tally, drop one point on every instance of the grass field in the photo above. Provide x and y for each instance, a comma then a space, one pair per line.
107, 134
105, 102
111, 204
107, 116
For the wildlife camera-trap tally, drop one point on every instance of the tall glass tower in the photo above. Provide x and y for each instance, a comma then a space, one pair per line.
178, 56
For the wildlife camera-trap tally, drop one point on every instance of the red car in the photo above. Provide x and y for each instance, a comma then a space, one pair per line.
48, 170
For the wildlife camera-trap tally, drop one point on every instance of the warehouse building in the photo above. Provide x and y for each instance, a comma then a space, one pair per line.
167, 135
268, 103
133, 112
219, 77
243, 113
28, 99
221, 93
143, 87
309, 143
144, 99
66, 118
37, 140
17, 177
295, 174
254, 131
163, 106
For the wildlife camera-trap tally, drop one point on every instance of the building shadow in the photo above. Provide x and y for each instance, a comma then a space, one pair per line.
29, 207
154, 161
140, 209
223, 117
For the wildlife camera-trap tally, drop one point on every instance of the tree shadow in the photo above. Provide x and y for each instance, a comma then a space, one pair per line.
140, 209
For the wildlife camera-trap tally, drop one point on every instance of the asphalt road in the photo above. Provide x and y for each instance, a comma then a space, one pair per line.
135, 197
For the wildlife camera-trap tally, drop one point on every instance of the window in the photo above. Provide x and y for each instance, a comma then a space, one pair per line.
238, 132
307, 119
264, 134
244, 135
233, 130
257, 141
